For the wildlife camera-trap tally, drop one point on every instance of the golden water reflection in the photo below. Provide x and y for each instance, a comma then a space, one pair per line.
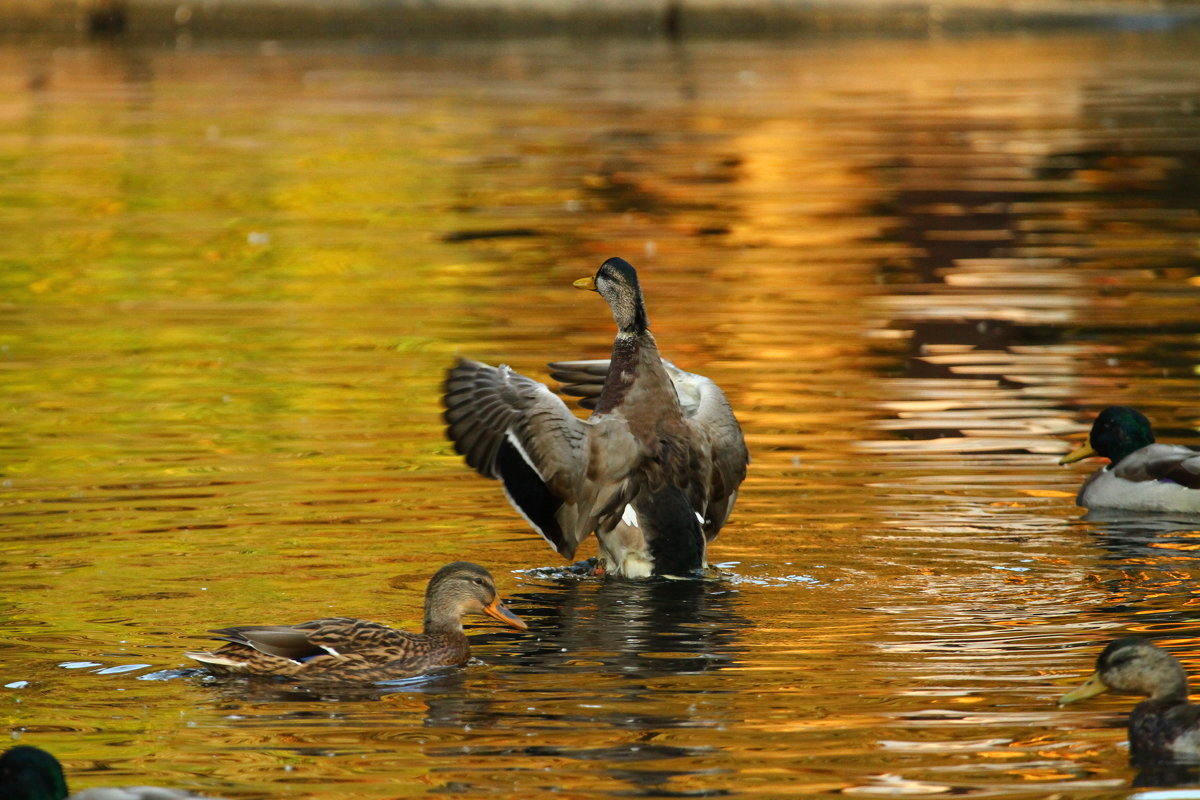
231, 282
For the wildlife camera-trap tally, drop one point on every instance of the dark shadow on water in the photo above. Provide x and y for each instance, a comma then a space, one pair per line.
1166, 775
241, 689
1144, 564
638, 628
1141, 536
613, 640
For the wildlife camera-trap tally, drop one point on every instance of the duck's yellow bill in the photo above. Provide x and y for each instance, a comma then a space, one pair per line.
585, 283
499, 611
1079, 453
1090, 688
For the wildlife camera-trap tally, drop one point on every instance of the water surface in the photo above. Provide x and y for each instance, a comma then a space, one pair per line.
232, 276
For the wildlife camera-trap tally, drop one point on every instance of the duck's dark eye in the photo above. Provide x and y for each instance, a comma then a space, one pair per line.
477, 581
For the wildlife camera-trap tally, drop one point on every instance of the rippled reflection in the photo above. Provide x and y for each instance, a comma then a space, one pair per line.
231, 279
639, 627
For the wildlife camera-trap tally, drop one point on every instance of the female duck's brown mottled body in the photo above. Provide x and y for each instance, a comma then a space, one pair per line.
654, 472
1164, 727
347, 649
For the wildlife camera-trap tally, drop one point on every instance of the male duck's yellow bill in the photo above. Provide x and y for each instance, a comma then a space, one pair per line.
585, 283
1079, 453
1090, 688
499, 611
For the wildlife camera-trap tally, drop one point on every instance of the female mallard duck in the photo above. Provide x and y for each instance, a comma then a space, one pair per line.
1143, 475
654, 471
1165, 726
30, 773
342, 649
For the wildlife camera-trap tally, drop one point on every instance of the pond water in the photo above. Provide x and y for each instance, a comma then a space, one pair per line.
232, 277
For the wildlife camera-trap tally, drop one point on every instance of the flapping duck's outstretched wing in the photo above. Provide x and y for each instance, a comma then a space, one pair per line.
706, 409
514, 429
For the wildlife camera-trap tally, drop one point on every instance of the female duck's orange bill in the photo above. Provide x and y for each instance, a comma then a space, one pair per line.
499, 611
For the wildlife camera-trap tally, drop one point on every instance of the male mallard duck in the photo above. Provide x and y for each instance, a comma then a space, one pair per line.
342, 649
1143, 476
654, 471
1165, 726
30, 773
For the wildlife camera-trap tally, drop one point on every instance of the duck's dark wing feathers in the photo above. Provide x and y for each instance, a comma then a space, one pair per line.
704, 406
332, 636
1163, 730
582, 379
1184, 718
488, 407
1162, 462
514, 429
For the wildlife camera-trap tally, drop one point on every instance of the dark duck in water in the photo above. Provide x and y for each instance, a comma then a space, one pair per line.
1164, 727
654, 471
30, 773
344, 649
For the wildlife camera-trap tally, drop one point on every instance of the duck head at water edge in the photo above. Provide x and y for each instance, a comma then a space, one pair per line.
1162, 727
31, 773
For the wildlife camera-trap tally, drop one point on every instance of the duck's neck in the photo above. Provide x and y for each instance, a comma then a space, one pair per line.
1161, 679
634, 356
1172, 694
629, 312
441, 621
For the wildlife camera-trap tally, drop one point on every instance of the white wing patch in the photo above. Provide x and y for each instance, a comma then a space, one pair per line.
213, 658
630, 517
512, 439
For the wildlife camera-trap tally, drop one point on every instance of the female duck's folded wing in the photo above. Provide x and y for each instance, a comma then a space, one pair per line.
1161, 462
286, 641
516, 430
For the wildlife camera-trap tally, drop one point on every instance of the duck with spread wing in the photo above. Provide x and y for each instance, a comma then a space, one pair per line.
654, 471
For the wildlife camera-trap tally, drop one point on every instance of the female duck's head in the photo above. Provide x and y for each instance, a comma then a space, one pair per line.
1134, 666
